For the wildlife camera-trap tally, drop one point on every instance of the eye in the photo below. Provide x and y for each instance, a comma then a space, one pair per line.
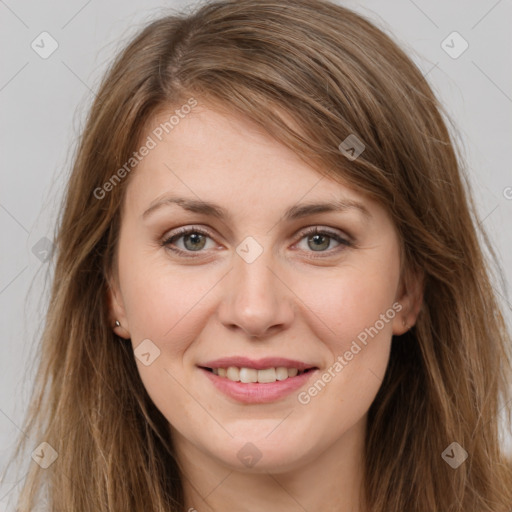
319, 240
194, 240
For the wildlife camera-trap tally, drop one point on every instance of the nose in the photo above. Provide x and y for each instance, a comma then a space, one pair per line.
255, 298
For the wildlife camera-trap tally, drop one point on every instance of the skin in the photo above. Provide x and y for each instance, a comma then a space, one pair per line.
292, 301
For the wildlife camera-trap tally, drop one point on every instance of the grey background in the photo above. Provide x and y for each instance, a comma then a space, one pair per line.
43, 103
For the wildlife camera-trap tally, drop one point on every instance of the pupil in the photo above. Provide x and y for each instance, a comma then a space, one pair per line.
195, 237
316, 238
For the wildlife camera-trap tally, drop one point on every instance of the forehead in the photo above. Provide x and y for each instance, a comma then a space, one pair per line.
207, 135
221, 152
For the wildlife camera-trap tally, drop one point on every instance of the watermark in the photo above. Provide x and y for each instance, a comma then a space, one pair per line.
352, 147
454, 45
151, 142
43, 249
44, 455
454, 455
249, 249
249, 455
304, 397
507, 193
44, 45
146, 352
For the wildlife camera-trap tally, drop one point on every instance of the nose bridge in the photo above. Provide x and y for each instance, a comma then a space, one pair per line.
255, 299
254, 281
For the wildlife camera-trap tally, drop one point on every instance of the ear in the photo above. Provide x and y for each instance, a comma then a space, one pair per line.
116, 310
410, 297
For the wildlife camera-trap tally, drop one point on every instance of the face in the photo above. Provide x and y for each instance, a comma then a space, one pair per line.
226, 271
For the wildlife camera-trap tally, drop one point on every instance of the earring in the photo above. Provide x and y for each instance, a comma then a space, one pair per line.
118, 324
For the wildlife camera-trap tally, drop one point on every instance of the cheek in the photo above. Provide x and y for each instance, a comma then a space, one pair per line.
353, 316
359, 342
346, 303
162, 301
167, 306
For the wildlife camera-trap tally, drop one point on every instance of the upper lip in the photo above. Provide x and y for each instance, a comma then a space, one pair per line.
258, 364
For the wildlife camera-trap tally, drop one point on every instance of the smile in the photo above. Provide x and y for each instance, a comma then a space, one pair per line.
251, 381
265, 376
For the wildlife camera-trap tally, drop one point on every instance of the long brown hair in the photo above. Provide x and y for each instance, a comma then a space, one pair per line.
310, 73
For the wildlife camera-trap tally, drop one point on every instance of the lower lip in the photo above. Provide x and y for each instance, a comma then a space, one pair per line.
256, 393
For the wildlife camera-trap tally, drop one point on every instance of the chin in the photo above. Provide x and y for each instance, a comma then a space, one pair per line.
264, 455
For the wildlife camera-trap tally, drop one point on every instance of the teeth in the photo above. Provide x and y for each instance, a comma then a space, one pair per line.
281, 373
268, 375
248, 375
292, 372
233, 373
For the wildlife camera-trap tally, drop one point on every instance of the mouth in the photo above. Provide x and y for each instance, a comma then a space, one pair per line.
251, 382
247, 375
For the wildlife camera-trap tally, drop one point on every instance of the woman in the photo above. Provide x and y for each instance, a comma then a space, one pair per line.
269, 292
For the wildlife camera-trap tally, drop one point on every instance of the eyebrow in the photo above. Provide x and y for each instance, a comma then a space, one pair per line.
292, 213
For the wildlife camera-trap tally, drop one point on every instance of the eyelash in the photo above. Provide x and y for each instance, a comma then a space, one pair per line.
180, 232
